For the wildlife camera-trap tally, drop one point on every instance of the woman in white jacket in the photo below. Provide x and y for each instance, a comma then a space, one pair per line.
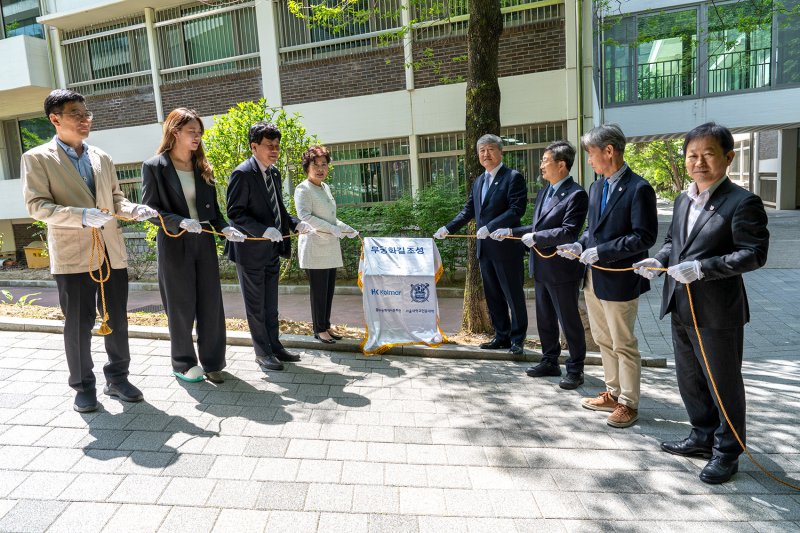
319, 251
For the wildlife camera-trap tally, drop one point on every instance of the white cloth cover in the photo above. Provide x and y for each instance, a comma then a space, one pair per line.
398, 282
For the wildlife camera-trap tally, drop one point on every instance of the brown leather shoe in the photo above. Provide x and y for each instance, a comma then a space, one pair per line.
602, 402
623, 416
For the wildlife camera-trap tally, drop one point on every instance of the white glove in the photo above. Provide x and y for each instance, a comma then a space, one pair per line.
304, 227
94, 218
643, 268
233, 234
500, 234
482, 233
348, 231
528, 240
143, 212
569, 251
191, 225
441, 233
686, 272
589, 256
273, 234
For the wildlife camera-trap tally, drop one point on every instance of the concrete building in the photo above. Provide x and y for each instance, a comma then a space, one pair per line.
393, 128
670, 65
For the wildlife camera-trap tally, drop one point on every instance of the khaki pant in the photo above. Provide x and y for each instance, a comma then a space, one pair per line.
612, 328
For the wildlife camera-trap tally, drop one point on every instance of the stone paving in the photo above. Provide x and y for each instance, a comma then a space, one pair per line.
340, 442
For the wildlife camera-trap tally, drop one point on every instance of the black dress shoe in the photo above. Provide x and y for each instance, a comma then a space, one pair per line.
85, 401
545, 368
719, 470
285, 356
325, 341
571, 381
496, 344
269, 362
515, 349
334, 336
686, 448
124, 390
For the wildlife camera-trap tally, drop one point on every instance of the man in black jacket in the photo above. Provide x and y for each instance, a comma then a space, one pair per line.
255, 207
718, 232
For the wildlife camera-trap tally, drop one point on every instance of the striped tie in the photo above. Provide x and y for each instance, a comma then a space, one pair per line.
273, 198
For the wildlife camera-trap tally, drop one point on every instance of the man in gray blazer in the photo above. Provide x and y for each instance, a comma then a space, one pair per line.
73, 188
718, 232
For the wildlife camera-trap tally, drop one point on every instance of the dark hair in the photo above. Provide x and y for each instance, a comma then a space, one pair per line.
56, 100
562, 151
261, 130
314, 152
713, 130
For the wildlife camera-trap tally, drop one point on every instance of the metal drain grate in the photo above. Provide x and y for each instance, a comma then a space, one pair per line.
158, 308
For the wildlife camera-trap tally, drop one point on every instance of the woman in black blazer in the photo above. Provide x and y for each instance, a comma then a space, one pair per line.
179, 184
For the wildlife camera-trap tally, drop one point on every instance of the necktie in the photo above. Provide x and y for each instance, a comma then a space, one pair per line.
273, 198
486, 182
605, 196
549, 198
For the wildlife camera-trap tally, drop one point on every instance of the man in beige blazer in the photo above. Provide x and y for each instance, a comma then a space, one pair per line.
73, 187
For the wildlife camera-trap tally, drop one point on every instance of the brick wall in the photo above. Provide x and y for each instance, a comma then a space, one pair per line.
523, 49
118, 110
212, 96
370, 72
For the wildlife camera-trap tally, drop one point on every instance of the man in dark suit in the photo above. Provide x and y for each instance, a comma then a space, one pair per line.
498, 199
622, 226
558, 216
718, 232
255, 207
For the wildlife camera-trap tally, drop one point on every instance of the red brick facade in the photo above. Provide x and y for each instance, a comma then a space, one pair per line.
372, 72
118, 110
214, 95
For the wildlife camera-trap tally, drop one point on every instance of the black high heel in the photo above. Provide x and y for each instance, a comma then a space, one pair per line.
334, 336
324, 341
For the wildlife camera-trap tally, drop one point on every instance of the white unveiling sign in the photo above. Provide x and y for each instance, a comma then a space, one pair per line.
398, 282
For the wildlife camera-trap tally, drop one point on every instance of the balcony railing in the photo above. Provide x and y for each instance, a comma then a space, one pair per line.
735, 71
665, 79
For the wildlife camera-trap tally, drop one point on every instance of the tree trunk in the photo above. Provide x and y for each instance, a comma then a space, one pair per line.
483, 116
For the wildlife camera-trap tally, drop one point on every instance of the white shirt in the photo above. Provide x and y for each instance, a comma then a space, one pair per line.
698, 202
488, 183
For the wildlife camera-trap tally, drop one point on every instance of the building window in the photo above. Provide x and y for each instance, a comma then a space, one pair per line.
18, 136
738, 59
18, 17
107, 58
666, 58
203, 40
130, 181
787, 43
442, 155
370, 172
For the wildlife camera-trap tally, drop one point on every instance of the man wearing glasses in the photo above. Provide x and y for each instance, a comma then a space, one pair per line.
73, 188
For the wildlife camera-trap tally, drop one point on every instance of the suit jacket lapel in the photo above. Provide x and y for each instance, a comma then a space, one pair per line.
713, 204
501, 174
260, 185
477, 189
172, 179
619, 190
66, 162
560, 194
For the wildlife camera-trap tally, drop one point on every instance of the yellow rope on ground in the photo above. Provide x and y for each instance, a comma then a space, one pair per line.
702, 351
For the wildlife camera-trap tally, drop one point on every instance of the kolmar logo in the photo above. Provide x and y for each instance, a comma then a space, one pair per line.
384, 292
420, 292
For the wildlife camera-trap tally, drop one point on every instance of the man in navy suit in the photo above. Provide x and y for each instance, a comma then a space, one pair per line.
255, 207
622, 227
558, 216
498, 199
718, 232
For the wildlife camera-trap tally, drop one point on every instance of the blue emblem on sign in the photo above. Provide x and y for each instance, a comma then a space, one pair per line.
420, 292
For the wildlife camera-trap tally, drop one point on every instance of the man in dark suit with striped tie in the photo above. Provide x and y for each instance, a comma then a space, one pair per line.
558, 216
255, 207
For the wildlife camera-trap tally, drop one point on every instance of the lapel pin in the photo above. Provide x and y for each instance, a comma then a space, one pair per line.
620, 189
711, 208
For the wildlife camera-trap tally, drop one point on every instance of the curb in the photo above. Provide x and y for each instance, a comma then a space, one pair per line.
241, 338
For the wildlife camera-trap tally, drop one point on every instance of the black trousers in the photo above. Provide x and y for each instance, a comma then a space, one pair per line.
558, 304
188, 278
502, 284
322, 282
724, 348
79, 298
260, 293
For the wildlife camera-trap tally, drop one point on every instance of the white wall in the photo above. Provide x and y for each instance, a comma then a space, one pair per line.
13, 204
26, 77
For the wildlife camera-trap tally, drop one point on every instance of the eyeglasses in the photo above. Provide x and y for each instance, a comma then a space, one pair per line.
77, 115
546, 161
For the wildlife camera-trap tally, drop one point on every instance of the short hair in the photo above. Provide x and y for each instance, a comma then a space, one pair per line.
314, 152
261, 130
713, 130
562, 151
604, 135
490, 138
56, 100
